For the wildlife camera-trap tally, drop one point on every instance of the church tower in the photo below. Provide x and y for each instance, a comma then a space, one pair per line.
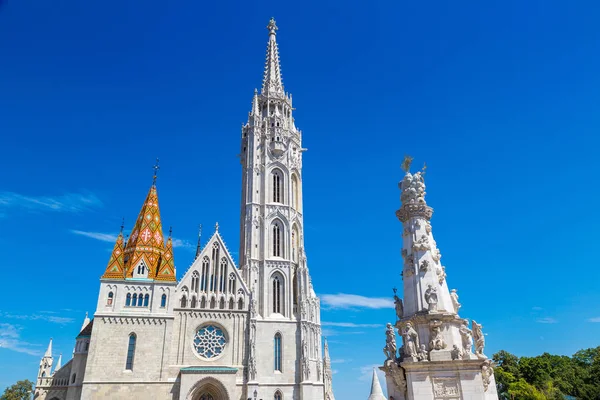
285, 310
436, 359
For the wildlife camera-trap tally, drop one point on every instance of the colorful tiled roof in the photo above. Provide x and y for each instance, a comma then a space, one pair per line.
146, 241
116, 266
166, 271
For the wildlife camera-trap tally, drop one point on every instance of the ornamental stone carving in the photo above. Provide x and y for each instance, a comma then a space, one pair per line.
437, 340
305, 364
390, 343
436, 255
422, 244
467, 338
455, 303
446, 388
399, 306
422, 355
424, 267
413, 189
410, 338
318, 371
486, 373
428, 227
479, 339
455, 353
391, 368
431, 298
441, 274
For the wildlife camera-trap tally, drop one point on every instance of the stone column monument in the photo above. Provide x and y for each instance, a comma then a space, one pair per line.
436, 359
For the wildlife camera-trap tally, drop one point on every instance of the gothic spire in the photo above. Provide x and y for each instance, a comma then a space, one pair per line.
116, 267
146, 241
376, 392
166, 271
49, 350
58, 363
272, 82
86, 321
198, 246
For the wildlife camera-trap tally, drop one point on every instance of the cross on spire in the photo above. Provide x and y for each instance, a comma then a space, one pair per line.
156, 168
272, 27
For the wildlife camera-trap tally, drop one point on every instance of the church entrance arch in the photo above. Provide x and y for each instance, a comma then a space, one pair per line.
208, 389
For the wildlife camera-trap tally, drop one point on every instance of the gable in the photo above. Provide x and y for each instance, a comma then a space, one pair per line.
213, 275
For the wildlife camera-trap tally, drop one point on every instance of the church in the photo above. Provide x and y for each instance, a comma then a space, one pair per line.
223, 331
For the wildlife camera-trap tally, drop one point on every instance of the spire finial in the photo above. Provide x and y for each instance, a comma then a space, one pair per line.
272, 27
406, 163
156, 168
199, 243
170, 231
122, 224
217, 227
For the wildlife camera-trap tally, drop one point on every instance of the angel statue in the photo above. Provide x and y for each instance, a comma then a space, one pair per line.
390, 343
479, 339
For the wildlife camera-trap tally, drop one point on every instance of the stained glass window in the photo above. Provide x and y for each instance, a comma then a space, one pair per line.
209, 341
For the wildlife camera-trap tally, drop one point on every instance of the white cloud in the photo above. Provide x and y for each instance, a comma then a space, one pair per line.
546, 320
340, 361
104, 237
344, 300
38, 317
595, 319
10, 339
350, 325
69, 202
182, 244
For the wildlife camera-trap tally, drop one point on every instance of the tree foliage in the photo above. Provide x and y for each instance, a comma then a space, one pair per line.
19, 391
548, 377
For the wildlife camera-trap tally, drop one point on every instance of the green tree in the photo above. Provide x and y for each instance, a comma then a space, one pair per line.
522, 390
19, 391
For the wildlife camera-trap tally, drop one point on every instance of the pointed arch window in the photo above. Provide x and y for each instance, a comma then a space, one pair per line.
195, 281
222, 275
277, 293
295, 195
204, 281
146, 300
140, 300
277, 396
183, 302
134, 300
277, 186
277, 238
163, 301
109, 299
128, 300
214, 271
277, 352
232, 283
130, 352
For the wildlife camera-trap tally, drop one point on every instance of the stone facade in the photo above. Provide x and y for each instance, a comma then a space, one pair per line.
220, 332
436, 359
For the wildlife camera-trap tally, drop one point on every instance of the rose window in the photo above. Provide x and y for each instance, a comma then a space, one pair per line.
209, 341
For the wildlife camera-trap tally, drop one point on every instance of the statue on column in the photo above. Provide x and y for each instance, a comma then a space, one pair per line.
431, 298
398, 305
390, 343
479, 339
411, 341
467, 338
455, 303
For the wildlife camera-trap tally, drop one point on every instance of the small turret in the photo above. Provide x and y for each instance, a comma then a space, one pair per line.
58, 363
376, 392
46, 365
86, 321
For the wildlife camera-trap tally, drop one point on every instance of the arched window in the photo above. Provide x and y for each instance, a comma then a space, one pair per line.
240, 304
203, 302
205, 266
277, 396
195, 280
109, 299
277, 236
231, 303
134, 300
128, 299
232, 283
192, 302
183, 302
213, 303
222, 275
141, 269
146, 300
73, 378
140, 300
163, 300
295, 196
222, 304
277, 186
130, 352
277, 352
277, 294
215, 263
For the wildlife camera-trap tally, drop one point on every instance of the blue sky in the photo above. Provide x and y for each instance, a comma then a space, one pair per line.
499, 98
